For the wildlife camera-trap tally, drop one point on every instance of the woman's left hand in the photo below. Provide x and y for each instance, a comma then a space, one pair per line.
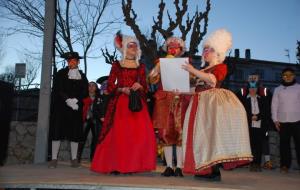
136, 86
254, 117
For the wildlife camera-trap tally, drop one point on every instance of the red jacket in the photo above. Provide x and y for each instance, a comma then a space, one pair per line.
87, 102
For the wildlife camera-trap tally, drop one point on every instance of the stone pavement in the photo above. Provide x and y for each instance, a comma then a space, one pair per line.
38, 176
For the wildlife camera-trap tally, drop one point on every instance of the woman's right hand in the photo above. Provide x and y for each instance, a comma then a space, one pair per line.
136, 86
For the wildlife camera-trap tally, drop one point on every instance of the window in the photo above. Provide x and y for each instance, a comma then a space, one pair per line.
239, 74
277, 77
261, 73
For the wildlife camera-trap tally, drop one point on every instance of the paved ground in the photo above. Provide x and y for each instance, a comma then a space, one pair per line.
65, 177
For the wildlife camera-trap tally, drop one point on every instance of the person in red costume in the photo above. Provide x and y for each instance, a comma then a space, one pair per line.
169, 111
215, 129
127, 140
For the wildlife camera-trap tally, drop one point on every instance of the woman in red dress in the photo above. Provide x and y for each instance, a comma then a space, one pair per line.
127, 141
215, 128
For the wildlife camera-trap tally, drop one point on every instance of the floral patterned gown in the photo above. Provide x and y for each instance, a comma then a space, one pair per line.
127, 141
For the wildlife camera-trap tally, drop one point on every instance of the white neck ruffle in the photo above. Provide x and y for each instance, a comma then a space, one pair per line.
74, 74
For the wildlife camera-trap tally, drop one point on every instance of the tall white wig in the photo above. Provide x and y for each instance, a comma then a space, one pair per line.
221, 41
121, 42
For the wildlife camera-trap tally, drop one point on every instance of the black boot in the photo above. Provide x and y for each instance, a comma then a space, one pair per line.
214, 176
168, 172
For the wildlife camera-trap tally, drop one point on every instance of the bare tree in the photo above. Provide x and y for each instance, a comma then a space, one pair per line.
298, 51
33, 63
2, 52
150, 46
78, 22
8, 75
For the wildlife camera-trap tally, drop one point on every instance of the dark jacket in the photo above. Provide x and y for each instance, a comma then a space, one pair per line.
266, 98
262, 115
99, 106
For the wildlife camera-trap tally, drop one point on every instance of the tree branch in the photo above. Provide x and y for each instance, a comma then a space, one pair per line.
109, 59
197, 34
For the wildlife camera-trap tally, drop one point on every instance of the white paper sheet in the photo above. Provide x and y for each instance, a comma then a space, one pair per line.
173, 77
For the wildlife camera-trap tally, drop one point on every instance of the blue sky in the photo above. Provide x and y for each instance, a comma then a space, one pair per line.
267, 27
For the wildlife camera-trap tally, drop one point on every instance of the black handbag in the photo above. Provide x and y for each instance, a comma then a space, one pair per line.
135, 102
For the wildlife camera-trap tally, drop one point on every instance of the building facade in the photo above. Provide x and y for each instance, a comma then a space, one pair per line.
268, 71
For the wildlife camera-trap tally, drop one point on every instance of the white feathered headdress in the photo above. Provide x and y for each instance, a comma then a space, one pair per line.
221, 41
176, 40
121, 42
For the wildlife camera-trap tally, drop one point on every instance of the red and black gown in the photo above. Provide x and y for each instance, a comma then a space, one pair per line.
127, 141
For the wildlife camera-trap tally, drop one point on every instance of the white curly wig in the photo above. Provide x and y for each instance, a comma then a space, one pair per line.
221, 41
121, 42
174, 40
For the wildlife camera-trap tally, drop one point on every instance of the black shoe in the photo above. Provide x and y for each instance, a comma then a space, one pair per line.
75, 163
255, 167
168, 172
178, 172
209, 177
213, 177
252, 167
115, 173
284, 169
259, 168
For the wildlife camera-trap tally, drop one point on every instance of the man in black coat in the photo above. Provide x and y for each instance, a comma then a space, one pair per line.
70, 86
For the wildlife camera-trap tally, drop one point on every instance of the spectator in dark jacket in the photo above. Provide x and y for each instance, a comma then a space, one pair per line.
94, 107
255, 106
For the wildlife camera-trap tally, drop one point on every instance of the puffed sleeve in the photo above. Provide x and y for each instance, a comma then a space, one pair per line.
220, 72
154, 75
111, 83
142, 77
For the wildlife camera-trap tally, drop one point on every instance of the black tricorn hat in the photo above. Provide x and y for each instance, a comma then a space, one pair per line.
71, 55
102, 79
